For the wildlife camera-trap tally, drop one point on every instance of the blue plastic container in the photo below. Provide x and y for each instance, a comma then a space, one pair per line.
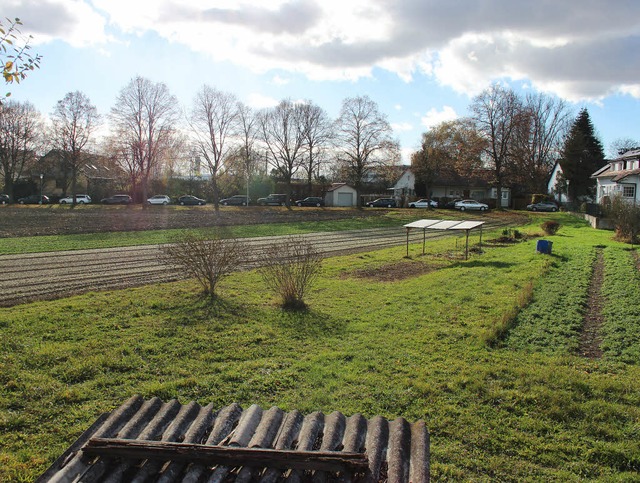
544, 246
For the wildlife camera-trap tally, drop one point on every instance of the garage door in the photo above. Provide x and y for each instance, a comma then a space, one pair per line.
345, 199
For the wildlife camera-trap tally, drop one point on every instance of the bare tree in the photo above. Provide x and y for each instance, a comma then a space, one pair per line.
208, 260
544, 121
247, 131
282, 131
144, 122
214, 122
364, 139
20, 139
496, 113
289, 268
620, 146
318, 133
74, 120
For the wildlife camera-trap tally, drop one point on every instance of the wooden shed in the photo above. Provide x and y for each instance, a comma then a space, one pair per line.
149, 440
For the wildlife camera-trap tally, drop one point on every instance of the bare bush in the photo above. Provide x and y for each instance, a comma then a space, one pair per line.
208, 260
625, 217
289, 268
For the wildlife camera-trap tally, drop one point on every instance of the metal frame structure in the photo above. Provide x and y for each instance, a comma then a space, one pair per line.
425, 225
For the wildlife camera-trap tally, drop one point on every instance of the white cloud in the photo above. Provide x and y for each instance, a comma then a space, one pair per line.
73, 21
259, 101
435, 117
280, 81
568, 49
402, 126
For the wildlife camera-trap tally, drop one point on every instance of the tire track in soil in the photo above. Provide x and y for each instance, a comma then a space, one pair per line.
590, 335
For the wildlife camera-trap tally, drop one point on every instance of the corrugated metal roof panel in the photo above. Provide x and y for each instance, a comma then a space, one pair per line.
393, 450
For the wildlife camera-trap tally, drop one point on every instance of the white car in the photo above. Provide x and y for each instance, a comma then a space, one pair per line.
159, 200
80, 199
423, 204
471, 205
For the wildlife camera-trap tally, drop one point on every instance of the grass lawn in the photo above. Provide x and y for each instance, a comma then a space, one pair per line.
525, 409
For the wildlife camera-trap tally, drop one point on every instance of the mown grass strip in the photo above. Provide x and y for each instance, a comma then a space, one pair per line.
48, 243
541, 326
621, 290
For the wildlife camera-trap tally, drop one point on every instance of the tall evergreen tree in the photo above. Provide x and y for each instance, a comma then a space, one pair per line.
582, 155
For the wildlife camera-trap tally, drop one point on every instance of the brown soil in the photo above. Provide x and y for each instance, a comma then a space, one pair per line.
18, 221
590, 337
394, 271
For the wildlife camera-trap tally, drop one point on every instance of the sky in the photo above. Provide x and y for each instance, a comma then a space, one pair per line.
421, 61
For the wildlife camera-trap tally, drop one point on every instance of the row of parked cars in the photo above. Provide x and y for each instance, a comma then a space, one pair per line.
272, 200
461, 205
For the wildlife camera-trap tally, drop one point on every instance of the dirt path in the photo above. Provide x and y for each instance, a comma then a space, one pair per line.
590, 335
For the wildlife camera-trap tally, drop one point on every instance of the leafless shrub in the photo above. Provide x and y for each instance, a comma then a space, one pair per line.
625, 217
289, 268
208, 260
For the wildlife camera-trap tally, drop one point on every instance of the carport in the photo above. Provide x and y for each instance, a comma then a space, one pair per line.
425, 225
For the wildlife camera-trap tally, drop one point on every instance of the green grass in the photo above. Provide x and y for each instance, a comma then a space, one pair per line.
411, 347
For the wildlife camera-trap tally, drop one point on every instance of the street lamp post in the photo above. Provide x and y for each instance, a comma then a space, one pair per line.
41, 176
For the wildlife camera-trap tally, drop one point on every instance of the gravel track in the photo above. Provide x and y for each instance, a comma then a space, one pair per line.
45, 276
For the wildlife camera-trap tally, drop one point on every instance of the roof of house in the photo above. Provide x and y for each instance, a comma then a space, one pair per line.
150, 440
618, 175
335, 186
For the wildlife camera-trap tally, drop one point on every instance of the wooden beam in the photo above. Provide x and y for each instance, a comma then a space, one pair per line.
227, 455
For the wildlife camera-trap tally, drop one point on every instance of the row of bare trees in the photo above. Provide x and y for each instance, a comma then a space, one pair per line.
147, 132
518, 139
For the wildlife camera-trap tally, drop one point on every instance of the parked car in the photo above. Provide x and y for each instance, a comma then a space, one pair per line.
34, 200
451, 205
159, 200
543, 206
471, 205
236, 200
191, 200
4, 199
382, 202
117, 200
423, 204
80, 199
273, 200
311, 201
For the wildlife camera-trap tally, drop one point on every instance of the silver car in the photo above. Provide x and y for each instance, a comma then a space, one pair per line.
80, 199
159, 200
471, 205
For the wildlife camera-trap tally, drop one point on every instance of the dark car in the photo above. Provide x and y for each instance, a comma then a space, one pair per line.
191, 200
451, 205
34, 200
4, 199
382, 202
273, 200
117, 200
311, 201
543, 206
236, 200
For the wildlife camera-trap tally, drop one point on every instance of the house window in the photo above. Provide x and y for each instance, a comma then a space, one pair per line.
629, 191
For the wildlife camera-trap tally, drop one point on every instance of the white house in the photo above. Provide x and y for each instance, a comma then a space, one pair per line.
341, 194
620, 176
552, 185
475, 187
